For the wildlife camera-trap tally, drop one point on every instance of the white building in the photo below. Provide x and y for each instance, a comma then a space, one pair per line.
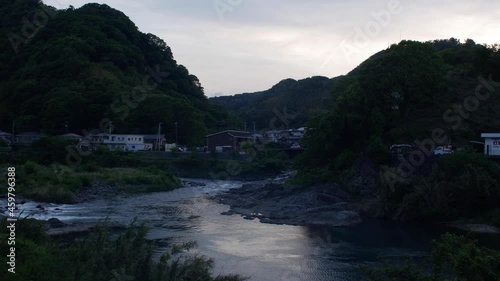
274, 135
123, 142
491, 144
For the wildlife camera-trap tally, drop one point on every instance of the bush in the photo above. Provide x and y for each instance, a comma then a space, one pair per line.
462, 184
55, 148
453, 257
377, 151
49, 184
344, 160
3, 143
31, 167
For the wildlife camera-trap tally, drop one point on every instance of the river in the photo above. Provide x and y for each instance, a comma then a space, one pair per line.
264, 252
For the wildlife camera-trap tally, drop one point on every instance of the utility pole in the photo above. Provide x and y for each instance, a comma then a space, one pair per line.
254, 127
158, 140
245, 126
176, 135
13, 131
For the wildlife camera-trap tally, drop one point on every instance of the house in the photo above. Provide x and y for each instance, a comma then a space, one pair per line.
273, 135
27, 138
293, 137
153, 142
227, 140
124, 142
491, 144
119, 142
285, 138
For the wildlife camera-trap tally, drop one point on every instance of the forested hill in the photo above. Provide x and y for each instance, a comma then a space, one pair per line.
441, 91
439, 74
75, 67
303, 99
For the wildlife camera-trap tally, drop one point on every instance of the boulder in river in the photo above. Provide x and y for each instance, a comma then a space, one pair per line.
55, 223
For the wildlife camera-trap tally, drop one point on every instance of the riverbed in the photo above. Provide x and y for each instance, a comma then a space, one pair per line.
265, 252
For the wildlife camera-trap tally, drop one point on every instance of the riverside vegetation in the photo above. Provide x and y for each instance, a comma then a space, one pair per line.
42, 177
101, 256
453, 257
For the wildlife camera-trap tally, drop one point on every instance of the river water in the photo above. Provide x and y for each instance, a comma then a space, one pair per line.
264, 252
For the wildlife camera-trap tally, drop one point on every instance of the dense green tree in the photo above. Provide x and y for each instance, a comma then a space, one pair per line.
400, 95
84, 65
288, 104
453, 257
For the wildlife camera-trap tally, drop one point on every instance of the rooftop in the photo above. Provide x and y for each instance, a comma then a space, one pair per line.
490, 135
234, 133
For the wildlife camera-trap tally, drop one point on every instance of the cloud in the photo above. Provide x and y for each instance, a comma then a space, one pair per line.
252, 44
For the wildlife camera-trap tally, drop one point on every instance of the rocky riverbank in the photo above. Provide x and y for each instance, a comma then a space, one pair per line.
56, 228
274, 202
98, 190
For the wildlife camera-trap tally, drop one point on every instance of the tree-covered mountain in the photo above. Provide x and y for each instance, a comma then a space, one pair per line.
302, 99
421, 93
78, 67
405, 93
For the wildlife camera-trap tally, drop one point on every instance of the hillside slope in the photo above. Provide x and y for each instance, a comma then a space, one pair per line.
302, 99
411, 93
90, 64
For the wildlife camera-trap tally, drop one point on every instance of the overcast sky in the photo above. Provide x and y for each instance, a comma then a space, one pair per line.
236, 46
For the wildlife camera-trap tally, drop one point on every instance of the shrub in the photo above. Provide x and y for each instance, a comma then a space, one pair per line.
453, 257
344, 160
3, 143
462, 184
31, 167
377, 151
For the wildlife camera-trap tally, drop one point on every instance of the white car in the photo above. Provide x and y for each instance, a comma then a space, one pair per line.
441, 150
295, 146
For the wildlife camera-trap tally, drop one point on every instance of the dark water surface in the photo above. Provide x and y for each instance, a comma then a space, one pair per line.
247, 247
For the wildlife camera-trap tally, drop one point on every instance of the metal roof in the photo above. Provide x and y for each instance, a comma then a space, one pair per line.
234, 133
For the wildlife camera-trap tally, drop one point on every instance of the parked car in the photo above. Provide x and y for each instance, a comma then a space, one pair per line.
441, 150
401, 148
295, 146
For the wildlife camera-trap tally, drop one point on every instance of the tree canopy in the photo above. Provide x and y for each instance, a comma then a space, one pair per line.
80, 66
